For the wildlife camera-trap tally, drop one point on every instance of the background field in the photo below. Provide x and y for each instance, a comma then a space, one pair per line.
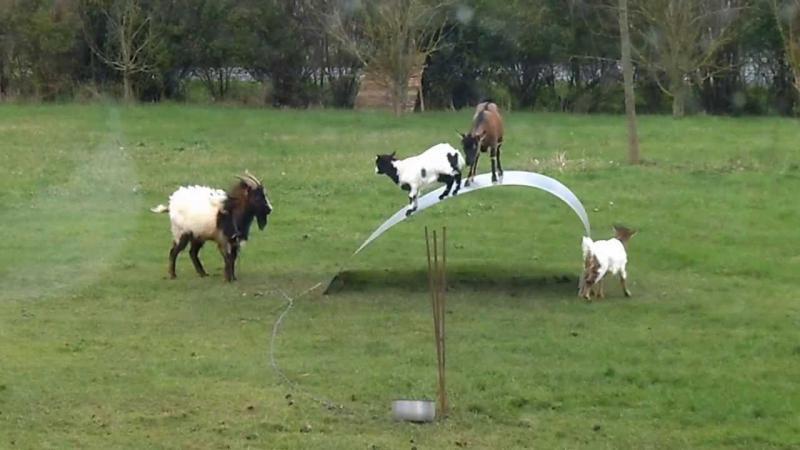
99, 350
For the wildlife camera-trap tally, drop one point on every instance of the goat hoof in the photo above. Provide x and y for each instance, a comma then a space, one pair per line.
442, 196
627, 293
409, 212
202, 274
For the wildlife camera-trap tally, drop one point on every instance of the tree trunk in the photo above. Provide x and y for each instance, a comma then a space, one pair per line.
796, 78
126, 86
399, 90
680, 94
627, 75
678, 103
2, 77
421, 99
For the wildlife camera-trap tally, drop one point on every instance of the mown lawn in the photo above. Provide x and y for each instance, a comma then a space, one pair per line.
99, 350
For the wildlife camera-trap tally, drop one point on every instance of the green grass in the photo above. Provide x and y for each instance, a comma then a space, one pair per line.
99, 350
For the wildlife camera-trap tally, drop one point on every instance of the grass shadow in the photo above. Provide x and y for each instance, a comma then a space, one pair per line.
460, 278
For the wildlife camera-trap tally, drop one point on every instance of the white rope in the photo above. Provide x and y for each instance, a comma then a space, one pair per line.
330, 405
333, 406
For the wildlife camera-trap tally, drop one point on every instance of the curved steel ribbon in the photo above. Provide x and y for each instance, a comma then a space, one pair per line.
510, 178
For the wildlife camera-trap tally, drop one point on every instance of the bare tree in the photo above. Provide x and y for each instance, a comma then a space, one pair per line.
627, 76
129, 38
391, 38
6, 47
787, 18
676, 40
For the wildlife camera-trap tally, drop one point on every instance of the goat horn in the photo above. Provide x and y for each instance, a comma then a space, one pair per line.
247, 172
248, 181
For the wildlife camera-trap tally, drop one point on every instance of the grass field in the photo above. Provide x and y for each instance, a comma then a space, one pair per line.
99, 350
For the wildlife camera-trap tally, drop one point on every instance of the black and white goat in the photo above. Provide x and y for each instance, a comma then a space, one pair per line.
441, 163
199, 214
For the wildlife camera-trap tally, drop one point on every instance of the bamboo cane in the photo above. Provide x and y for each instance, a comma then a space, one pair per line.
432, 282
437, 285
442, 312
438, 326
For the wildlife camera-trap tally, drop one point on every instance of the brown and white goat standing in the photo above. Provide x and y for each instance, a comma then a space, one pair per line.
601, 257
199, 214
486, 134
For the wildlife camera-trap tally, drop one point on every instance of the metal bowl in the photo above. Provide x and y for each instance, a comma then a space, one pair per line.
414, 410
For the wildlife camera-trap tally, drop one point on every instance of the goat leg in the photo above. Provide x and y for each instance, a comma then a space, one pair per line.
592, 292
586, 289
499, 165
193, 253
494, 164
448, 187
177, 247
234, 254
471, 173
581, 284
412, 204
472, 169
223, 250
622, 279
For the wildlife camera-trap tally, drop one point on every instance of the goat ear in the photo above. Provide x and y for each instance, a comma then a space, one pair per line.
460, 134
393, 153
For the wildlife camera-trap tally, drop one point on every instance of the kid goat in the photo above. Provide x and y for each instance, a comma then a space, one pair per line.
486, 134
440, 163
199, 214
601, 257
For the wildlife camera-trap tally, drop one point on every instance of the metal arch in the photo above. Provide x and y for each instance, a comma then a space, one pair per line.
510, 178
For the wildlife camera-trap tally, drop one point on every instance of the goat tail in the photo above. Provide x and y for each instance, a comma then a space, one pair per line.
159, 209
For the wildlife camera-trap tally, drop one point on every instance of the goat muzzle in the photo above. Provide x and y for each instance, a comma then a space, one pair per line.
262, 221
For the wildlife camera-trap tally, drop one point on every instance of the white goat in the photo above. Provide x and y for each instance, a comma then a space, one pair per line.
199, 214
441, 163
601, 257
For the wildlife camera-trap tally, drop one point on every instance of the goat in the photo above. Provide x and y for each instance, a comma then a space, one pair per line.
486, 134
601, 257
441, 163
199, 214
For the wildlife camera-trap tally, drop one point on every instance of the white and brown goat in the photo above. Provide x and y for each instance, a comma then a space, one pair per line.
602, 257
199, 214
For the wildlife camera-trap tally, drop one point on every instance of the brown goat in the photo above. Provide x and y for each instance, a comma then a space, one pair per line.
486, 134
